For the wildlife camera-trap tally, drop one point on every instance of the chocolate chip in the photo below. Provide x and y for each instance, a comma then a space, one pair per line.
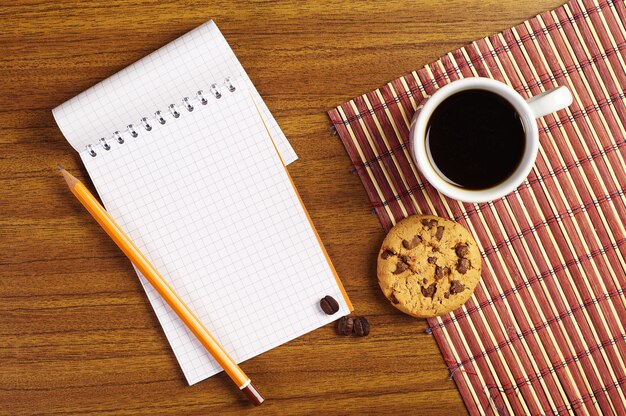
429, 291
461, 250
385, 254
441, 272
400, 267
393, 299
329, 305
345, 325
438, 273
428, 224
456, 287
463, 265
435, 249
424, 280
446, 295
413, 243
432, 260
439, 233
361, 326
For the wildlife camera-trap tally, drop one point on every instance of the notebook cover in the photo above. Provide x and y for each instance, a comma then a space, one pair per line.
544, 330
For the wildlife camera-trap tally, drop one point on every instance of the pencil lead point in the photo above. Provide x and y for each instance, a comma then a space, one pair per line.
59, 167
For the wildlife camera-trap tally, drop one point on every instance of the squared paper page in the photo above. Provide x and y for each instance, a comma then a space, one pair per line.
206, 198
179, 69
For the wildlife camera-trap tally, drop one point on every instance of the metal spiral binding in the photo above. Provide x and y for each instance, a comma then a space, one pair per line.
132, 131
215, 91
187, 104
159, 117
173, 110
201, 98
148, 123
104, 144
229, 85
118, 137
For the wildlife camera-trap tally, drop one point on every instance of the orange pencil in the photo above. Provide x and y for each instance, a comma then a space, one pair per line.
160, 285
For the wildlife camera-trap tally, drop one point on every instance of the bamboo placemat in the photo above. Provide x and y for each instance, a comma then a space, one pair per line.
544, 331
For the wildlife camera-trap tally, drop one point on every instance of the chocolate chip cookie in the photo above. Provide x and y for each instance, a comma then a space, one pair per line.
428, 266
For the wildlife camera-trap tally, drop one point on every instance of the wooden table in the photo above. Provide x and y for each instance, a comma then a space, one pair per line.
77, 334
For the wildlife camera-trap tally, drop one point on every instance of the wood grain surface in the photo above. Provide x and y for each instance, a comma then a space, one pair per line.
77, 334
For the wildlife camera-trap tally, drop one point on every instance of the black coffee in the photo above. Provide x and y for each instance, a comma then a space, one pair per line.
476, 139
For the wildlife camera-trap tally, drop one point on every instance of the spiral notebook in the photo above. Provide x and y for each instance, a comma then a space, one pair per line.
187, 158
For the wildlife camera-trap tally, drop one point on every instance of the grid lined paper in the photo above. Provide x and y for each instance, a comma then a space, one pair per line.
207, 199
190, 63
544, 330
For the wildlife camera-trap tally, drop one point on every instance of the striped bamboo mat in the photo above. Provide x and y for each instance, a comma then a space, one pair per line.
544, 331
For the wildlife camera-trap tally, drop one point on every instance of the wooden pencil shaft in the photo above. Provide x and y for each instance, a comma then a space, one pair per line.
123, 241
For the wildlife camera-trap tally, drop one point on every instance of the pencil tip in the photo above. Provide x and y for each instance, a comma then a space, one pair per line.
71, 181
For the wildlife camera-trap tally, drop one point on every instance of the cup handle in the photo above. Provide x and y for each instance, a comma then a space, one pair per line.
550, 101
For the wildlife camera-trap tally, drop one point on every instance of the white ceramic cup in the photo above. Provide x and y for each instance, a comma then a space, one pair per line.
528, 110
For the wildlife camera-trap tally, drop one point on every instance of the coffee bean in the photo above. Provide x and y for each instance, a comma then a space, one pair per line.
329, 305
345, 325
361, 326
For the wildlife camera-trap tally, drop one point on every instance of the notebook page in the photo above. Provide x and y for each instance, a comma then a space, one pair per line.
190, 63
207, 199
